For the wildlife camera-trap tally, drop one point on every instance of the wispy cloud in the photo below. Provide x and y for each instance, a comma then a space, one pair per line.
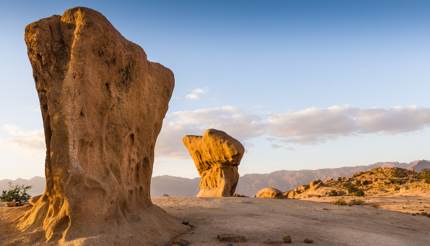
307, 126
230, 119
320, 124
196, 94
27, 140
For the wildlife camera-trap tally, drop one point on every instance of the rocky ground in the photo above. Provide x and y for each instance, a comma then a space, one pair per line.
394, 189
267, 221
418, 204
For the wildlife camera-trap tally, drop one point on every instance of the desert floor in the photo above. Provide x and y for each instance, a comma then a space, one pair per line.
410, 203
266, 220
263, 220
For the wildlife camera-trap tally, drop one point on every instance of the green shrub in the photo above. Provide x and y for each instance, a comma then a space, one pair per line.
16, 193
358, 192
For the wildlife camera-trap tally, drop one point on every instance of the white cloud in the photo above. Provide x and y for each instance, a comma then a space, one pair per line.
241, 125
22, 152
27, 140
196, 94
308, 126
314, 124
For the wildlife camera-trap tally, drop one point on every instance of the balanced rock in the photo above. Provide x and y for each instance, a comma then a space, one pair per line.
269, 192
217, 157
102, 105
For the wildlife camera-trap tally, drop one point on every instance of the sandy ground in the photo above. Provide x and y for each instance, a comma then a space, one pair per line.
8, 219
261, 220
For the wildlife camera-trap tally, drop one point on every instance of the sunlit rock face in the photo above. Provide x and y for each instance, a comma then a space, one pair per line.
102, 104
217, 157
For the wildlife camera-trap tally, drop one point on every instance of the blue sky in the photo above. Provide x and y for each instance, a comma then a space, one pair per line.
254, 69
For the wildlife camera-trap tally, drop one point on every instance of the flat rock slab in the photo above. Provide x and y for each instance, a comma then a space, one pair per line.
264, 220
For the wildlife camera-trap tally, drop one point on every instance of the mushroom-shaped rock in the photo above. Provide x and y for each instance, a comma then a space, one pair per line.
269, 192
102, 105
217, 157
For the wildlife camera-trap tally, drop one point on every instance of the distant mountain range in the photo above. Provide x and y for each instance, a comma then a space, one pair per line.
248, 185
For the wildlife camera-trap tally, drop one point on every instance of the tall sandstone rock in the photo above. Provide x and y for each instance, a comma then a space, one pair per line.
102, 104
217, 157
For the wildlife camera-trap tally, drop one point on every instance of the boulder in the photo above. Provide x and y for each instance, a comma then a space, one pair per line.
217, 157
301, 188
102, 106
290, 194
269, 192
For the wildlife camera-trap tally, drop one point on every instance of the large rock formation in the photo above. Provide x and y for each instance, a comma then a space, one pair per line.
217, 157
381, 181
102, 104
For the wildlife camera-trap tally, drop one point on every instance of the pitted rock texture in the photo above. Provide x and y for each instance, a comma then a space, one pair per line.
270, 192
102, 104
217, 157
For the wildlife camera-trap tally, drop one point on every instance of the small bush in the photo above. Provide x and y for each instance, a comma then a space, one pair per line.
332, 193
341, 193
397, 181
287, 239
358, 193
400, 173
353, 190
340, 202
356, 202
16, 193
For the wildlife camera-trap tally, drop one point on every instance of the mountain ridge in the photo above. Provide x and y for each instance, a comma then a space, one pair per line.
248, 185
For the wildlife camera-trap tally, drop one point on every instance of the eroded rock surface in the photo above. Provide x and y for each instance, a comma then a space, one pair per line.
217, 157
102, 104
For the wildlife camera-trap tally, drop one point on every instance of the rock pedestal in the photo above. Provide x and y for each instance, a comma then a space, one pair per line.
102, 104
217, 157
